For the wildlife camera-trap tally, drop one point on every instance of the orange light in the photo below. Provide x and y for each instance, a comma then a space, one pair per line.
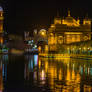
1, 40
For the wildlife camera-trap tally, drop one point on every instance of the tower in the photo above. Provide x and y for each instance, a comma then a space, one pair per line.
69, 13
87, 21
57, 19
1, 25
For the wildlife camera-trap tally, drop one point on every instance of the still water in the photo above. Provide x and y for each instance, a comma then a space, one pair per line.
30, 73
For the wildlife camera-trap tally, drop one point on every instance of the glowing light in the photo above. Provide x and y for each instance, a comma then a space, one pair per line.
86, 22
42, 75
46, 48
1, 40
43, 32
79, 48
35, 60
39, 48
69, 13
52, 26
35, 46
73, 33
88, 48
66, 31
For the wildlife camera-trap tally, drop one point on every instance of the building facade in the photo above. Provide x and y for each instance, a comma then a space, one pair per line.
1, 25
68, 30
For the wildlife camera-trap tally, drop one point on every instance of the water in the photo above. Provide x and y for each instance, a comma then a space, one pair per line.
30, 73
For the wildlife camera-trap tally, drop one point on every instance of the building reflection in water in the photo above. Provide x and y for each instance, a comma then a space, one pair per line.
3, 71
29, 66
60, 75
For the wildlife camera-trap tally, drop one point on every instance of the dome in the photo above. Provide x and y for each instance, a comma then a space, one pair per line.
69, 19
1, 9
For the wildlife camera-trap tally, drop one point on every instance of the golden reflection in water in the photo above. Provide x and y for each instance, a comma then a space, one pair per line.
42, 77
64, 75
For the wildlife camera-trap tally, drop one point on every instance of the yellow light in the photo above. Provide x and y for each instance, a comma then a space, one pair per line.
69, 13
39, 48
52, 26
42, 75
73, 33
1, 40
88, 22
84, 48
88, 48
42, 33
46, 48
79, 48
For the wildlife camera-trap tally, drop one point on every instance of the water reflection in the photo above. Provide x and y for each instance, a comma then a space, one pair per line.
60, 75
48, 75
29, 66
3, 71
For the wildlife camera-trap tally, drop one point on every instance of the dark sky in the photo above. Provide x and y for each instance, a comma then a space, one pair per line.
24, 15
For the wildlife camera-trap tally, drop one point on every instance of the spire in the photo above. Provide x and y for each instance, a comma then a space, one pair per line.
69, 13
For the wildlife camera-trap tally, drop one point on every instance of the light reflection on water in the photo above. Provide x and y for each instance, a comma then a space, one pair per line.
3, 71
62, 75
51, 75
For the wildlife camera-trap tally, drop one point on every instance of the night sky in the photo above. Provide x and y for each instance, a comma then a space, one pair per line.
26, 15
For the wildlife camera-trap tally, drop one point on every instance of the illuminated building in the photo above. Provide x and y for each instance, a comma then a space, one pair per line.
68, 30
36, 40
1, 25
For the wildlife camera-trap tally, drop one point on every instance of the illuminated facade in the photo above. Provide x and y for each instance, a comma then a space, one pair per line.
1, 25
68, 30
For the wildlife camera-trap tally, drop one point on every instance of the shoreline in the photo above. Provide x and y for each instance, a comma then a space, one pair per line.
65, 56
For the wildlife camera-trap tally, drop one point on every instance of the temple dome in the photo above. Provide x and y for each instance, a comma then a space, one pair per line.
1, 9
69, 19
